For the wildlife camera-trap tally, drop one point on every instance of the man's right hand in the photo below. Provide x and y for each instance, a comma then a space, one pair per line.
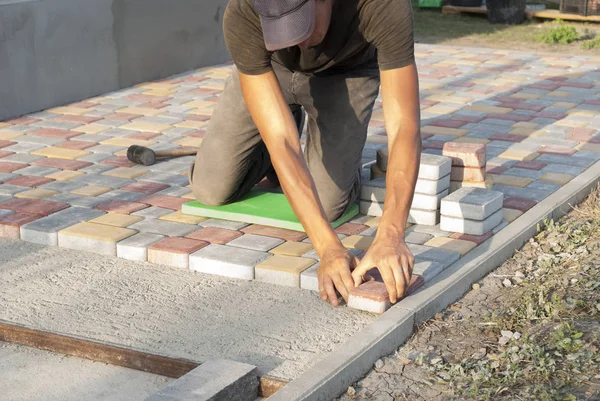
335, 273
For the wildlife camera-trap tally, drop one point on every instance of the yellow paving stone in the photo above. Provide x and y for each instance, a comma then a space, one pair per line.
556, 178
7, 135
582, 113
437, 109
91, 190
121, 153
516, 154
215, 86
61, 153
199, 103
451, 244
472, 140
357, 242
292, 248
65, 175
183, 218
374, 222
73, 111
590, 147
159, 92
99, 99
488, 109
100, 232
516, 78
525, 124
193, 142
572, 123
511, 214
189, 195
558, 94
200, 112
435, 130
125, 172
4, 125
523, 131
36, 193
450, 99
525, 96
191, 124
511, 180
116, 220
564, 105
286, 264
91, 129
144, 111
146, 127
126, 142
158, 86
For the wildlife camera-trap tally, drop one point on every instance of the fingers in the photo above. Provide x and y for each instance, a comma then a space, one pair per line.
358, 273
341, 287
387, 274
348, 283
330, 291
400, 277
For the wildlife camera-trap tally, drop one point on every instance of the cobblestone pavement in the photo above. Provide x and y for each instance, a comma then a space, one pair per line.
65, 179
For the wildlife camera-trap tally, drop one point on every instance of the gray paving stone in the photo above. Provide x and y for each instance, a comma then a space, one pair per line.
228, 261
45, 230
309, 279
169, 167
431, 230
500, 162
369, 232
109, 149
416, 238
76, 200
226, 224
7, 176
119, 194
103, 180
96, 168
529, 193
152, 212
118, 132
136, 246
256, 242
21, 158
168, 228
544, 186
39, 140
432, 187
4, 213
63, 186
213, 380
500, 144
433, 167
175, 191
472, 227
593, 156
110, 123
24, 147
8, 189
561, 168
56, 124
523, 172
177, 131
428, 269
442, 256
93, 137
165, 178
37, 171
472, 203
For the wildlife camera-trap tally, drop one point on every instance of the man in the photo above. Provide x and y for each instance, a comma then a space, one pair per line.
329, 57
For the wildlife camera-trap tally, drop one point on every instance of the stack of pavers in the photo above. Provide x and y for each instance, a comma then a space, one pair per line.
468, 165
432, 185
474, 211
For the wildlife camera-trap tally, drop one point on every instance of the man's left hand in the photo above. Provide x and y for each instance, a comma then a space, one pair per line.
394, 261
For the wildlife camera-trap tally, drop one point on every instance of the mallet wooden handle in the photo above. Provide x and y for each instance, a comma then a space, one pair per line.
176, 152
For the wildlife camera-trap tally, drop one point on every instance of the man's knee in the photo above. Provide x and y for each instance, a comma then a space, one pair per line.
208, 190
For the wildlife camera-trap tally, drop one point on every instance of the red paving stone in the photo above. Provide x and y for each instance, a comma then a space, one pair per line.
478, 239
118, 161
77, 145
29, 181
465, 154
15, 203
215, 235
274, 232
62, 164
195, 134
531, 165
519, 204
165, 201
23, 121
10, 225
42, 207
351, 229
198, 118
510, 117
54, 133
178, 245
8, 167
77, 119
557, 150
4, 143
5, 153
144, 187
144, 136
448, 123
550, 114
507, 137
121, 207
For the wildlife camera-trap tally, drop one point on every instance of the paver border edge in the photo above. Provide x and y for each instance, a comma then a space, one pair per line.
330, 376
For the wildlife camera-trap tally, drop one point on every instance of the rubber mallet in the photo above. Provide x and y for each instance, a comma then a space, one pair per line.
146, 156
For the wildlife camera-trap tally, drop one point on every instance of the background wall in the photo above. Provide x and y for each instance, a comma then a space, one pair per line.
54, 52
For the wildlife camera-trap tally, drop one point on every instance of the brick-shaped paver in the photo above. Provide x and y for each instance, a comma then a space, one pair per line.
61, 164
91, 190
434, 167
432, 187
477, 239
451, 244
556, 178
116, 220
166, 228
167, 202
291, 248
10, 224
465, 154
309, 278
152, 212
121, 207
215, 235
65, 175
183, 218
145, 187
428, 269
371, 296
97, 238
468, 226
174, 251
282, 270
282, 233
228, 261
256, 242
417, 238
28, 181
76, 200
350, 229
443, 256
359, 242
472, 203
511, 214
45, 230
136, 246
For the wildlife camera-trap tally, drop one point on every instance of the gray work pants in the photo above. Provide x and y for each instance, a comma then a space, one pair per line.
233, 158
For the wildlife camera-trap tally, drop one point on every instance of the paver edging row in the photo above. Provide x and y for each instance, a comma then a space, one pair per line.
350, 362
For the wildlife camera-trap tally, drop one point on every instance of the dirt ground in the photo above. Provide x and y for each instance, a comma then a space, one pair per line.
528, 331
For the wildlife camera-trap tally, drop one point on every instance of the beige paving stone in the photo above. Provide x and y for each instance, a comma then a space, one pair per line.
282, 270
4, 125
125, 172
91, 129
60, 153
582, 112
451, 244
73, 111
91, 190
450, 98
144, 111
513, 181
589, 147
564, 105
192, 142
374, 222
7, 135
116, 220
36, 193
511, 214
489, 109
558, 94
572, 123
158, 86
525, 124
515, 154
291, 248
525, 96
146, 127
523, 131
99, 232
556, 178
65, 175
357, 242
127, 142
435, 130
183, 218
191, 124
199, 103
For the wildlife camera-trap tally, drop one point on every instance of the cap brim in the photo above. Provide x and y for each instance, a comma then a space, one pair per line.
291, 29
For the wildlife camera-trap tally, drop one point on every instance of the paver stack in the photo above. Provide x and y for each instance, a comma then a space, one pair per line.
468, 165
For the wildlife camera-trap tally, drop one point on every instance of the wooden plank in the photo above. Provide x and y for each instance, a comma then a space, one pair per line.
457, 10
529, 13
95, 351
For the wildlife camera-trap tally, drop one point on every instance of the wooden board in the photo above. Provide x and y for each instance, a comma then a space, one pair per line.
529, 13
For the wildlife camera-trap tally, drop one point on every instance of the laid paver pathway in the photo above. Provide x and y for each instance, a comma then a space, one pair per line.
65, 179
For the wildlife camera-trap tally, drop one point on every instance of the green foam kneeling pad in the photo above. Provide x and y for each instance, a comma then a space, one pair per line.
258, 207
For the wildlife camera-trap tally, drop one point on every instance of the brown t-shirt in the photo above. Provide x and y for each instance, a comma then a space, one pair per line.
361, 31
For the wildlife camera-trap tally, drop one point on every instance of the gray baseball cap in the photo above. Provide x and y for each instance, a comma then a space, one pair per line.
285, 23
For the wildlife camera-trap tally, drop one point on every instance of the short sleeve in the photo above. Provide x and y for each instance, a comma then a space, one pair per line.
244, 38
388, 25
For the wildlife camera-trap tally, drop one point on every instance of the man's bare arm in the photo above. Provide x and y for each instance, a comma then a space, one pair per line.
389, 253
273, 118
